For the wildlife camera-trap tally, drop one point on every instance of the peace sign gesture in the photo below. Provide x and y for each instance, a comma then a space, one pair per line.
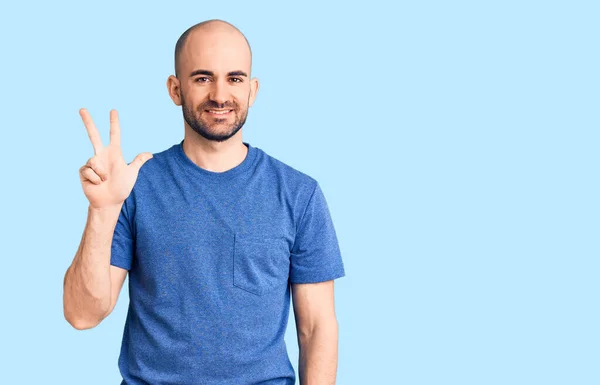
106, 178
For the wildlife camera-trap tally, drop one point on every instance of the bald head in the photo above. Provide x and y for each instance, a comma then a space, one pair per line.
212, 32
212, 81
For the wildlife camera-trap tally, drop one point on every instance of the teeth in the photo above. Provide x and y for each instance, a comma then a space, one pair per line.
219, 112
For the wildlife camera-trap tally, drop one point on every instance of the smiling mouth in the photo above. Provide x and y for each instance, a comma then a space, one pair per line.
219, 112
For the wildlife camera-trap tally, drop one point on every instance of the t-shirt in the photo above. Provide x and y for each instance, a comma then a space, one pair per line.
211, 256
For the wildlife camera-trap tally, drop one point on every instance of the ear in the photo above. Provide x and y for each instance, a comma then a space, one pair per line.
174, 88
253, 91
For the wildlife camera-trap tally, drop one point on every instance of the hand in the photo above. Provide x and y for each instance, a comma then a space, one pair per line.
106, 178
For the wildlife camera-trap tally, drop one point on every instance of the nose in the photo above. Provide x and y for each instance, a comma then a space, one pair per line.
218, 94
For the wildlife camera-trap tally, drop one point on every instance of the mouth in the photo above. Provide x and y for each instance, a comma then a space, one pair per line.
219, 113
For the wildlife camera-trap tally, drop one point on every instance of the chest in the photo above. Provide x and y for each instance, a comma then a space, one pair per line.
235, 243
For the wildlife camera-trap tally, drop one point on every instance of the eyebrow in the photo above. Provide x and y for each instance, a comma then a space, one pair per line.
210, 73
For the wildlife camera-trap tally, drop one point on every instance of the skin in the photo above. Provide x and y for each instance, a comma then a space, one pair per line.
92, 285
211, 141
215, 144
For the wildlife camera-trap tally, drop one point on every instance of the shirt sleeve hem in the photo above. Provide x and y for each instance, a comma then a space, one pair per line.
315, 278
121, 264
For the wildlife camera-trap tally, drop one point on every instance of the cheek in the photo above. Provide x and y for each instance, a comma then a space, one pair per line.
242, 102
194, 98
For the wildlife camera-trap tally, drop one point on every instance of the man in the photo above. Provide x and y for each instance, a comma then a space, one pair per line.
214, 234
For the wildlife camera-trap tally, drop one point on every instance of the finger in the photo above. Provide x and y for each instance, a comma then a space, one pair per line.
91, 130
140, 159
95, 164
115, 128
89, 175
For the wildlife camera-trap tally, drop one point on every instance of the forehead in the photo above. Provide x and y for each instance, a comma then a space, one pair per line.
217, 52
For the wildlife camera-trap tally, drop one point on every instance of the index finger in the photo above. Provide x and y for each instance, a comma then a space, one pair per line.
91, 130
115, 128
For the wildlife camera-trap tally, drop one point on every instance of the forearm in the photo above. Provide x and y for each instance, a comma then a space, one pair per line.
86, 297
319, 356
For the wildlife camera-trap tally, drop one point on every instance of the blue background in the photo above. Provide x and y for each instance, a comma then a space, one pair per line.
456, 144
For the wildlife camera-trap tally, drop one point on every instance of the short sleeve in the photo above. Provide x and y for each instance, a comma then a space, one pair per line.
315, 255
122, 248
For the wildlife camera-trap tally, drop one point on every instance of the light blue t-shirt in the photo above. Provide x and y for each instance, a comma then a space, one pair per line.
211, 256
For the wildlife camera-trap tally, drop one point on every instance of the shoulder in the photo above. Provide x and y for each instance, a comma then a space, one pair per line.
157, 166
153, 172
290, 177
158, 160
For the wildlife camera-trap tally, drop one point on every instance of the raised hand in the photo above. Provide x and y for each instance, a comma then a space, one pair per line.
106, 178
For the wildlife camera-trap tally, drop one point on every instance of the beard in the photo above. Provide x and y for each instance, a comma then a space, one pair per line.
209, 130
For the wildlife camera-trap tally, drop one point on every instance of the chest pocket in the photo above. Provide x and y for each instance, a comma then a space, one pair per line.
260, 264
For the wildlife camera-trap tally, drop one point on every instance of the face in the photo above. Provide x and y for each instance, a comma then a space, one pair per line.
213, 120
213, 87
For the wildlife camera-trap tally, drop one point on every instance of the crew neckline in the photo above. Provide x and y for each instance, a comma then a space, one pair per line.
198, 171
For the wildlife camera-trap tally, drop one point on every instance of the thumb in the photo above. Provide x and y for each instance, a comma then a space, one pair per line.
139, 160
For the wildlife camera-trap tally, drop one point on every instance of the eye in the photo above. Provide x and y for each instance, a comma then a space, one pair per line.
200, 79
238, 80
